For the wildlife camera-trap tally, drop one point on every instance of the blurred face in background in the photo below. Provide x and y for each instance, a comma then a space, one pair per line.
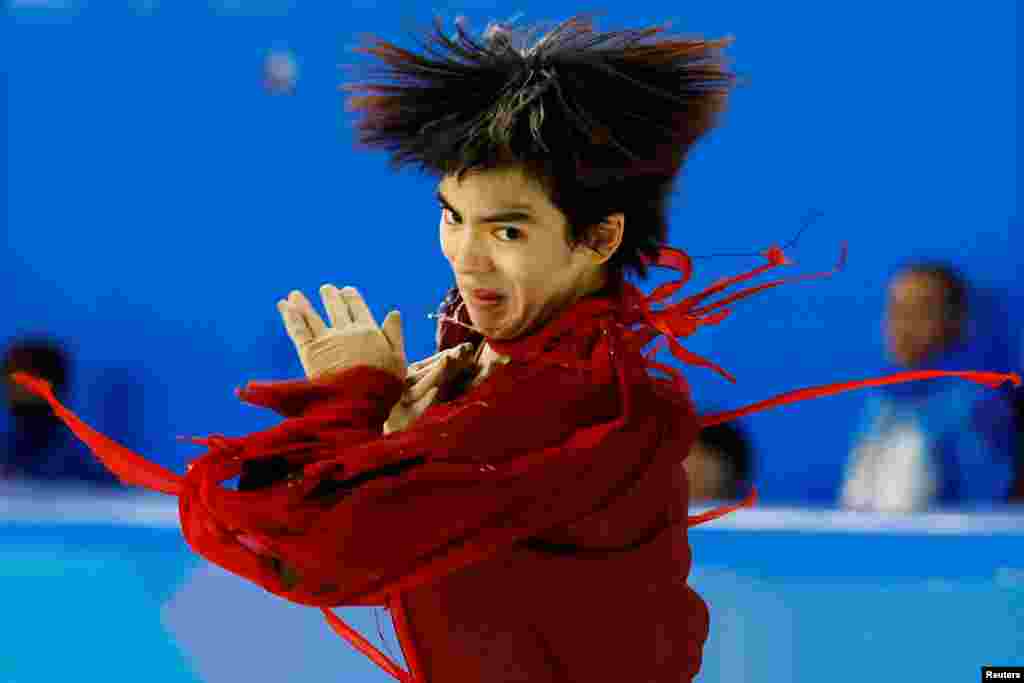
500, 231
917, 321
708, 472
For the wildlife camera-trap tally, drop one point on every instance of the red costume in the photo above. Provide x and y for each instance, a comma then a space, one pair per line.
503, 528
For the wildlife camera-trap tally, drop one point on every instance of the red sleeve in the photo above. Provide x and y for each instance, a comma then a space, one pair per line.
369, 515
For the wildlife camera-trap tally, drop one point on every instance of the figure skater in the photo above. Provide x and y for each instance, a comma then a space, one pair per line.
524, 513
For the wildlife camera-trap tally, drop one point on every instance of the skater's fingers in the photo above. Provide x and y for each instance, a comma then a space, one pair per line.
424, 363
295, 324
425, 402
299, 301
461, 351
429, 379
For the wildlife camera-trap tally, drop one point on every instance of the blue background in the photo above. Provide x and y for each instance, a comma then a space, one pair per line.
160, 202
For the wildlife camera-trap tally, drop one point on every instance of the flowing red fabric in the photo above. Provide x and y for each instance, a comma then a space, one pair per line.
317, 537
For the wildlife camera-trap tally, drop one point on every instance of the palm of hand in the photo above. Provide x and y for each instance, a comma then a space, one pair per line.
352, 339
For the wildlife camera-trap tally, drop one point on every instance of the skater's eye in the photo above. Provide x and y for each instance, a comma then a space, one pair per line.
511, 227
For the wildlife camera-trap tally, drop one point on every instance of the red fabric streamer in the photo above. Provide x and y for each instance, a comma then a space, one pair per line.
572, 444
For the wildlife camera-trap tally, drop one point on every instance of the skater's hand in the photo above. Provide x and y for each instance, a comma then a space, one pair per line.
353, 338
424, 380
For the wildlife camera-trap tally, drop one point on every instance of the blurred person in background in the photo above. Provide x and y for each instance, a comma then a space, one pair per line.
1017, 492
940, 442
719, 464
38, 447
280, 73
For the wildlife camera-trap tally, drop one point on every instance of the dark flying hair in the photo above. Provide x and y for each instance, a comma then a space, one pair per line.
732, 442
42, 357
602, 120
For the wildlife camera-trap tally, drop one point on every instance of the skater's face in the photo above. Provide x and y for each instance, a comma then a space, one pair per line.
917, 321
500, 231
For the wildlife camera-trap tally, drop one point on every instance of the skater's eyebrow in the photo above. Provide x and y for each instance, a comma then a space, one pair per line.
508, 213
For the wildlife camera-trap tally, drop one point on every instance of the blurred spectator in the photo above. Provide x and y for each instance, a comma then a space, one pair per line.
280, 73
718, 466
1017, 494
937, 442
38, 446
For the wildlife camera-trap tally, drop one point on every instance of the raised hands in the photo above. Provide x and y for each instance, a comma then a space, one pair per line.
352, 339
424, 380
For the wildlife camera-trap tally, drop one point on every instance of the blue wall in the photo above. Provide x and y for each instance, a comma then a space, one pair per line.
160, 202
